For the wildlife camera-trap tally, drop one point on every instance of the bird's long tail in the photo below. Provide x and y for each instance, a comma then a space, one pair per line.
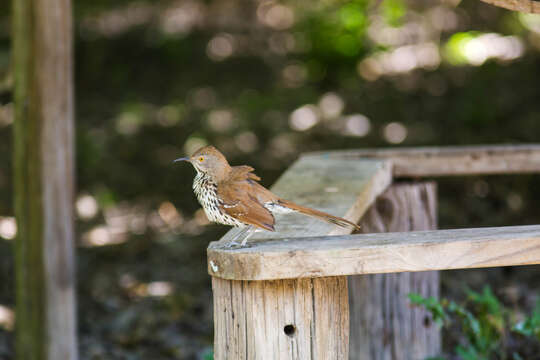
318, 214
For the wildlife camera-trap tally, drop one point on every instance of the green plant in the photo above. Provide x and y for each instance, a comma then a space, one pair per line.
208, 355
482, 323
530, 326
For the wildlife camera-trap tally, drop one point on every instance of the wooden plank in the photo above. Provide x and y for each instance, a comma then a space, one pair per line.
341, 187
44, 177
355, 254
281, 320
384, 325
450, 161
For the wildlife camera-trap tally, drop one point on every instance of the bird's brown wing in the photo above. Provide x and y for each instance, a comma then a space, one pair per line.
243, 172
240, 198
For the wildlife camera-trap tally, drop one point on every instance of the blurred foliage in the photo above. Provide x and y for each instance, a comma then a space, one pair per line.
531, 325
264, 81
484, 326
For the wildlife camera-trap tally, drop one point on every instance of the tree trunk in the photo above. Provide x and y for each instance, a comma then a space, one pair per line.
43, 170
383, 324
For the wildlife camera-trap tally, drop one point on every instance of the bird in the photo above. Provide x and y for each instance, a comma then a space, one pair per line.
232, 195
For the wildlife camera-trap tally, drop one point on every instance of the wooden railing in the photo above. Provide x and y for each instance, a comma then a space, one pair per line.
304, 292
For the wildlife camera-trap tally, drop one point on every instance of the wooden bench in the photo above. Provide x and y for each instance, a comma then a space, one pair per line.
304, 293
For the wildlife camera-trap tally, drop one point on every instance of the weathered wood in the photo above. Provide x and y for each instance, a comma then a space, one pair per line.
250, 317
526, 6
319, 256
283, 319
43, 168
340, 187
383, 324
449, 161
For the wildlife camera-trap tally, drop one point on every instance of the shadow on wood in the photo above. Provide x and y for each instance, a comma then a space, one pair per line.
383, 324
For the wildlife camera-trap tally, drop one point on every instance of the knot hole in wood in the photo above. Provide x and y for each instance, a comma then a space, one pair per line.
289, 330
427, 321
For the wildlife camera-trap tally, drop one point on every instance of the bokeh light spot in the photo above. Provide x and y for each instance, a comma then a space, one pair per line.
128, 123
169, 115
220, 47
277, 16
87, 207
8, 227
331, 105
395, 133
246, 142
159, 288
294, 75
7, 317
514, 201
357, 125
475, 49
181, 17
194, 143
220, 120
169, 214
6, 114
304, 118
100, 236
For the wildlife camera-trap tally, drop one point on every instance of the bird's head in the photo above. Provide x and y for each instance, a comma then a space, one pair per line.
210, 161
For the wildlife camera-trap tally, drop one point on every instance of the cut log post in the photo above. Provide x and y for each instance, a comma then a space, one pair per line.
283, 319
44, 177
305, 318
383, 324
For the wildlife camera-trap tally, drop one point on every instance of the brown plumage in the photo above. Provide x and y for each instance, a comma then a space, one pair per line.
231, 195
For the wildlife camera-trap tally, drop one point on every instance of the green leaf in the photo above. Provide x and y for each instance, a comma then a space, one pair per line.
530, 327
431, 304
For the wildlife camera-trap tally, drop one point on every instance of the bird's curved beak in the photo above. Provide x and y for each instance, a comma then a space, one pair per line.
182, 159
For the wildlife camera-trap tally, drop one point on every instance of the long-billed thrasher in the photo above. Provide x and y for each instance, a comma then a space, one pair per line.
231, 195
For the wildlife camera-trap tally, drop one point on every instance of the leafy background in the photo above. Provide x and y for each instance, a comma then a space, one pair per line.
264, 81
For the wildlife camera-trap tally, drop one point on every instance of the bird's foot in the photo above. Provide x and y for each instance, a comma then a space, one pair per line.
233, 245
244, 233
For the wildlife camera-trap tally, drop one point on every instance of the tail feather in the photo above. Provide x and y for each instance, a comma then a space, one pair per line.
318, 214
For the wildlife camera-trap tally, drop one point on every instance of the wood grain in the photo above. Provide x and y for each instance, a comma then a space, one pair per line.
320, 256
250, 319
384, 326
44, 177
341, 187
449, 161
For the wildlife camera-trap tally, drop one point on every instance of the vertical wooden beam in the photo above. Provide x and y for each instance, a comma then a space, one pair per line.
383, 324
283, 319
44, 177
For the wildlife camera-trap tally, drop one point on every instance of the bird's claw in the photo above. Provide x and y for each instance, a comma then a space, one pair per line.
233, 245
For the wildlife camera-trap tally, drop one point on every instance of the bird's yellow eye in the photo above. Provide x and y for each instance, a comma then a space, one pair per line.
201, 158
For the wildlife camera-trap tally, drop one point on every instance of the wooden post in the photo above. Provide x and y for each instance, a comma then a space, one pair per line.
260, 313
283, 319
383, 324
43, 168
306, 318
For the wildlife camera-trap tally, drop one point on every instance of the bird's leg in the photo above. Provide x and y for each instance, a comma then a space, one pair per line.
245, 232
